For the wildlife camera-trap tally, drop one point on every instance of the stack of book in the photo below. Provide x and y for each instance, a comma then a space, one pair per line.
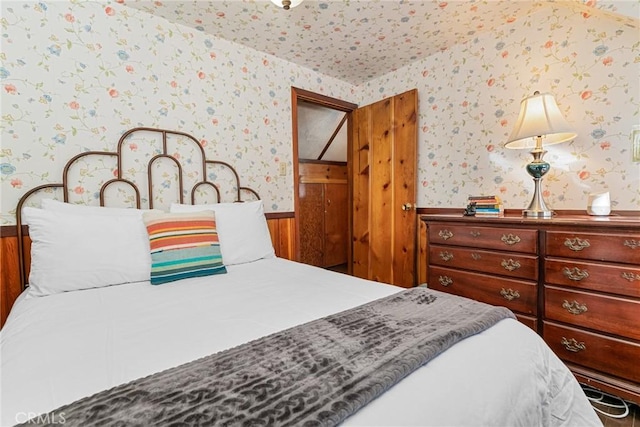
486, 206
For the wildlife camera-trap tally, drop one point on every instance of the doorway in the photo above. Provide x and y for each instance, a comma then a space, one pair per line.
381, 180
321, 140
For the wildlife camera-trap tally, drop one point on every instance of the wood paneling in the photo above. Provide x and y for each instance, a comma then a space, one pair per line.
281, 226
282, 231
10, 286
312, 172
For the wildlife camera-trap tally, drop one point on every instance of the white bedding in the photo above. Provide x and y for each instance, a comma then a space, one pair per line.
63, 347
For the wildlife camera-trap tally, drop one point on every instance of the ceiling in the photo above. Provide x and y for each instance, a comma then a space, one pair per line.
316, 126
353, 40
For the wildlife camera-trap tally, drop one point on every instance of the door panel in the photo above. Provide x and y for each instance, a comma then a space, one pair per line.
360, 190
335, 224
381, 193
404, 183
311, 224
384, 153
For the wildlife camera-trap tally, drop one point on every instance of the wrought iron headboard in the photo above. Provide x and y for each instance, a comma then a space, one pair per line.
163, 154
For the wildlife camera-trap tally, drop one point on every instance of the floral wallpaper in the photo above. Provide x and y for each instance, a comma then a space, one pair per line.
76, 75
469, 99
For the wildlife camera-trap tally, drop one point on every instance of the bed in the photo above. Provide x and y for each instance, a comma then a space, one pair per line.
111, 323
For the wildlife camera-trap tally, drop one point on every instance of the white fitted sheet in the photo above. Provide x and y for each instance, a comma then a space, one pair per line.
59, 348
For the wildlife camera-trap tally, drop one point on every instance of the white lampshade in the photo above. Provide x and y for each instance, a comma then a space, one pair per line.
286, 4
539, 116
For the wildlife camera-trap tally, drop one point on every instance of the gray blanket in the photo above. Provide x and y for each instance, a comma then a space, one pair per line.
316, 374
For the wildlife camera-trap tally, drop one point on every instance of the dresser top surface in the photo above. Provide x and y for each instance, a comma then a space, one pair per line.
613, 220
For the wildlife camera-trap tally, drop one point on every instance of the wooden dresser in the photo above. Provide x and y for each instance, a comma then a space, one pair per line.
574, 279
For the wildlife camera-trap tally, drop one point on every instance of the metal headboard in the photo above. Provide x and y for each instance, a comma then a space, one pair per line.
164, 154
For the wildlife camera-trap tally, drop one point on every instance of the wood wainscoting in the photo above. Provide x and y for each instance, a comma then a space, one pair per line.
281, 227
283, 234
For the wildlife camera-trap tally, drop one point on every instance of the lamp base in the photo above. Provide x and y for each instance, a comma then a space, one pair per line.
527, 213
537, 169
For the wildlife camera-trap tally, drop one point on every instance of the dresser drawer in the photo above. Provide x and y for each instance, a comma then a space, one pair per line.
623, 248
605, 354
514, 240
517, 295
613, 278
502, 263
614, 315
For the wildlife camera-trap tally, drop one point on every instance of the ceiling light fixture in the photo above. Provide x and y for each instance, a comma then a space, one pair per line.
286, 4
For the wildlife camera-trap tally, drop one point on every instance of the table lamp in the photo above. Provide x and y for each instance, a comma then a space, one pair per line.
540, 123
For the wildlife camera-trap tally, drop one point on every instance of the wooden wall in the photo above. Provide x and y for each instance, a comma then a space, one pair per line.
10, 286
281, 226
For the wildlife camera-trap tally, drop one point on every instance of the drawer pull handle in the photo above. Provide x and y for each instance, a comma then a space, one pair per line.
573, 345
633, 244
509, 294
510, 239
576, 244
575, 273
630, 276
510, 265
445, 234
574, 307
445, 281
476, 256
446, 256
475, 233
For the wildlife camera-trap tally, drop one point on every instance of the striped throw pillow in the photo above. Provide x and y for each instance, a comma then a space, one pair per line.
183, 245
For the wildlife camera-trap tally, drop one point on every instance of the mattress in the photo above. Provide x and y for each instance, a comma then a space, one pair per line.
62, 347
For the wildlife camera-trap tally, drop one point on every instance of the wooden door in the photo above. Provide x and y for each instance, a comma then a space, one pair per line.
311, 223
382, 163
336, 224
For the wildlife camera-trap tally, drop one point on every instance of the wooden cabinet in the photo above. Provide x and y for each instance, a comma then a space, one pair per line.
574, 279
323, 224
323, 207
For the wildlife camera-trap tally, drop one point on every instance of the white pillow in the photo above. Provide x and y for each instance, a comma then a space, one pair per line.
242, 230
72, 251
58, 206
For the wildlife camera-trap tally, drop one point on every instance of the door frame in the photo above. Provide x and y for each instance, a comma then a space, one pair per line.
297, 95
